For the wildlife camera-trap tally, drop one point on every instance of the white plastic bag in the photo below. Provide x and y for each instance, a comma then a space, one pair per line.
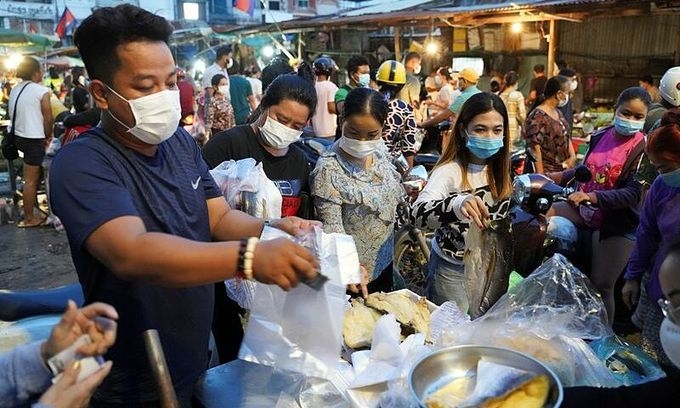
247, 188
301, 330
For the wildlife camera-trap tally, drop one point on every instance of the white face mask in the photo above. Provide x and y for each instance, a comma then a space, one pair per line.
224, 89
278, 135
670, 340
563, 103
360, 149
417, 69
438, 80
574, 85
156, 116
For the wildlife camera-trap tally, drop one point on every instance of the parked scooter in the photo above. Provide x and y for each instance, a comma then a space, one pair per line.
533, 195
28, 316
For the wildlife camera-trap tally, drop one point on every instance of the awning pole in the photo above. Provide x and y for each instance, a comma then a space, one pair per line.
552, 44
397, 43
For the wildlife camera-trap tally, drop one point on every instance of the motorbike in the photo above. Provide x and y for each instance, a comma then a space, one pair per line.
533, 195
411, 244
28, 316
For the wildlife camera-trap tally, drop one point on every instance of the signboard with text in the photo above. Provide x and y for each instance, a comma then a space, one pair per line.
34, 11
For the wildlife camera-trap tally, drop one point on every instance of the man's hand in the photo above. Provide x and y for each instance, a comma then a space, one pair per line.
294, 225
631, 293
97, 320
283, 263
67, 393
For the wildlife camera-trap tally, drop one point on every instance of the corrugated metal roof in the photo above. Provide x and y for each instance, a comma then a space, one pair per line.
508, 5
385, 7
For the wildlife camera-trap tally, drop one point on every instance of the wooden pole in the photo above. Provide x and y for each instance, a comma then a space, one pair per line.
677, 50
552, 44
397, 43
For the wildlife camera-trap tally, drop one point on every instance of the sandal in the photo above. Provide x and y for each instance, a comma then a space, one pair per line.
23, 224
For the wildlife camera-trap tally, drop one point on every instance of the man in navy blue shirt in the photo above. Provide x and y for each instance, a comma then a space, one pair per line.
148, 228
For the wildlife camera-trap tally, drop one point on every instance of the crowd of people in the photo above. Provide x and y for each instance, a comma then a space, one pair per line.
151, 234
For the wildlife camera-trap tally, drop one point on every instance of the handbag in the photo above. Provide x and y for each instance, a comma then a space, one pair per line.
8, 145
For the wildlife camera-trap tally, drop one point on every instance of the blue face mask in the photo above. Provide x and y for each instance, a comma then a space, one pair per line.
627, 127
672, 178
484, 147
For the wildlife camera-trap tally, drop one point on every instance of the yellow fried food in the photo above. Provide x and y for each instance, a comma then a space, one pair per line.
450, 395
532, 394
359, 323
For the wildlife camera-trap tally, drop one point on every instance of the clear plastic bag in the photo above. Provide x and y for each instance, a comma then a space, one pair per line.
546, 316
626, 362
247, 188
301, 330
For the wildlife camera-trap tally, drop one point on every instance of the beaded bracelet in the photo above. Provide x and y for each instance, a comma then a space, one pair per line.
249, 256
241, 258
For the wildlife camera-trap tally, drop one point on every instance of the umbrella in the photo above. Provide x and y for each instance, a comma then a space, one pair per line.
64, 61
14, 38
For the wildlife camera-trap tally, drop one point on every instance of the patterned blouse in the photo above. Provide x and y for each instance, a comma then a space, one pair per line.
552, 135
400, 131
220, 113
517, 113
434, 208
359, 202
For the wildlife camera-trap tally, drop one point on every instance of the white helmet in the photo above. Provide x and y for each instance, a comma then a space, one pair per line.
669, 88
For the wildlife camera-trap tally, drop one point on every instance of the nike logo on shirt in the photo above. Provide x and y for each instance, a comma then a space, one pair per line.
195, 185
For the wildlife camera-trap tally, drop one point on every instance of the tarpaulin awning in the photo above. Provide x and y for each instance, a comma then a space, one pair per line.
18, 39
64, 61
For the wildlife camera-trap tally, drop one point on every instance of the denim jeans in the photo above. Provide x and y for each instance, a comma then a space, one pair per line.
446, 282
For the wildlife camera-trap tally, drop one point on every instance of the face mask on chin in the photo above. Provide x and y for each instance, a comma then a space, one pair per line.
156, 116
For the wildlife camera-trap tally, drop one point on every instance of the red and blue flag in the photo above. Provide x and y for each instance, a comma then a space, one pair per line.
246, 6
66, 23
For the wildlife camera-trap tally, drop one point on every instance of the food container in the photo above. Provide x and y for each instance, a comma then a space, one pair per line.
441, 367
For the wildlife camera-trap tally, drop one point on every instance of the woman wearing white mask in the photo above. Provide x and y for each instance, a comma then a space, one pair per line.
659, 229
220, 112
613, 160
355, 187
547, 131
287, 106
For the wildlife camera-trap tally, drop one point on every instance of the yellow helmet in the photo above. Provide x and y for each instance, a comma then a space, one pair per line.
392, 72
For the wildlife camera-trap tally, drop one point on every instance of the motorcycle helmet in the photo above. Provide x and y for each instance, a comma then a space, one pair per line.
563, 234
391, 73
669, 88
324, 66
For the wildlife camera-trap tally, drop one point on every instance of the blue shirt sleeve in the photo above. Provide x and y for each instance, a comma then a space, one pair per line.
22, 375
86, 191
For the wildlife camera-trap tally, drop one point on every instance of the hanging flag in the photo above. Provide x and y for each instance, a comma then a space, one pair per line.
246, 6
66, 23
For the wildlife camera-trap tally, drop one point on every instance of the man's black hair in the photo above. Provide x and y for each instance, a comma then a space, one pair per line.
568, 72
100, 34
222, 51
410, 56
647, 79
235, 68
27, 68
539, 68
354, 63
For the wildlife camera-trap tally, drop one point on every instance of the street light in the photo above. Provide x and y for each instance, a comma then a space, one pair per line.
516, 28
13, 61
432, 47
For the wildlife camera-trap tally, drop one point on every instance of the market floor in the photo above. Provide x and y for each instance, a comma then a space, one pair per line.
34, 258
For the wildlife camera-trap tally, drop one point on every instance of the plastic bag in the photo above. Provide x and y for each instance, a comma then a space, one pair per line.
546, 316
247, 188
301, 330
626, 362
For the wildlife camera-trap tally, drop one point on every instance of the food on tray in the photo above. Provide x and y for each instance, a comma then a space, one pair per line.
410, 313
500, 386
550, 352
451, 394
359, 324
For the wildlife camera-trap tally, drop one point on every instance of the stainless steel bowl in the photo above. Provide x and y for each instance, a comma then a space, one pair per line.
444, 366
